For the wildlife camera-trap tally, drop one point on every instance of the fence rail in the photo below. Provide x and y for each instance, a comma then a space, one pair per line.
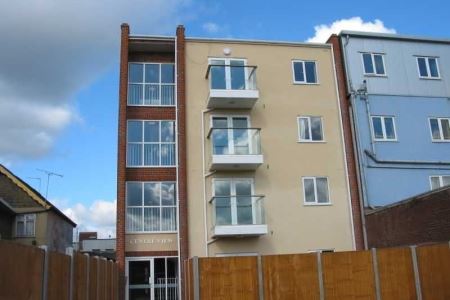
379, 274
28, 272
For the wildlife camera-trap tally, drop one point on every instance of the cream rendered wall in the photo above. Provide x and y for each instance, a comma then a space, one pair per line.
293, 227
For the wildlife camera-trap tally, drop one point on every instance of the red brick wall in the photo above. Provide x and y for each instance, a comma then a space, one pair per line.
348, 141
425, 219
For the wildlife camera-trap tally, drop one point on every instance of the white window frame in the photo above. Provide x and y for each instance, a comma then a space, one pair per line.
233, 202
316, 203
300, 140
159, 143
143, 206
230, 132
441, 132
383, 128
304, 71
25, 218
427, 64
441, 180
160, 84
372, 57
227, 63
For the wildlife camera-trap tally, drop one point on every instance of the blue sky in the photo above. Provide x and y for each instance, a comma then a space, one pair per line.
68, 97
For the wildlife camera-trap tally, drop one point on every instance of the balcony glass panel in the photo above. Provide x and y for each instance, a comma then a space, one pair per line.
238, 210
235, 141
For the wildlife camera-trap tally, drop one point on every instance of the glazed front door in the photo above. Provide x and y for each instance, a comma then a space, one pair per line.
140, 280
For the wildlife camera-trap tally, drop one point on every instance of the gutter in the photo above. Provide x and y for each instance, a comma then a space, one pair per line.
409, 162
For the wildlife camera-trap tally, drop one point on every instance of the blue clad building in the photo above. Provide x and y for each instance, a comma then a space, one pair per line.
399, 101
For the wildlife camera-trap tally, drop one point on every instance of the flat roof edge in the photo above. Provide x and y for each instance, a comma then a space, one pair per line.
257, 42
393, 36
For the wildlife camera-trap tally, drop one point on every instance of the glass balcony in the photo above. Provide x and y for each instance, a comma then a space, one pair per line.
235, 148
238, 215
232, 85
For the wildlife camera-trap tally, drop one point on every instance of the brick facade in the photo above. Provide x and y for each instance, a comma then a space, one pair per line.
344, 104
422, 219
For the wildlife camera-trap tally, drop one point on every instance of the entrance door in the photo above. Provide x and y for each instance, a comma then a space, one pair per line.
154, 278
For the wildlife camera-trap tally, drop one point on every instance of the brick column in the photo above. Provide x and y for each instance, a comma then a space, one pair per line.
182, 180
121, 158
344, 104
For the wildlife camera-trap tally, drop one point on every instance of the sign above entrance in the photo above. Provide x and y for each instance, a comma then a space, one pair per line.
151, 242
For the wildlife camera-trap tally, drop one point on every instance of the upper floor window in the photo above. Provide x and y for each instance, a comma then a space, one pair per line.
304, 71
231, 74
151, 206
310, 129
440, 129
151, 84
439, 181
428, 67
315, 190
25, 225
150, 143
383, 128
373, 64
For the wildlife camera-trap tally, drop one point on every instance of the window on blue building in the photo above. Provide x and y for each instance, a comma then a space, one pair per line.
383, 128
440, 129
428, 67
373, 64
439, 181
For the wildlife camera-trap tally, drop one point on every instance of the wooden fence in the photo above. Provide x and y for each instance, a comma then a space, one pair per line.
379, 274
32, 273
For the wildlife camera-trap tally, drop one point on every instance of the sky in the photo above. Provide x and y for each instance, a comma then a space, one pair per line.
59, 75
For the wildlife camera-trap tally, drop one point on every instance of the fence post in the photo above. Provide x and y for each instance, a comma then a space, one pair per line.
69, 251
320, 275
87, 275
45, 275
416, 272
98, 277
260, 278
376, 273
196, 278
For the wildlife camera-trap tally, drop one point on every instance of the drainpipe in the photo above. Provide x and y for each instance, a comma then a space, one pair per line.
359, 168
204, 176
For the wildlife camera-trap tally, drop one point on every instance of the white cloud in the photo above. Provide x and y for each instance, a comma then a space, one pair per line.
323, 31
210, 27
100, 216
51, 49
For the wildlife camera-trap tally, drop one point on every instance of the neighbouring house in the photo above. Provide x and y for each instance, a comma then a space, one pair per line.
226, 148
421, 219
88, 242
27, 217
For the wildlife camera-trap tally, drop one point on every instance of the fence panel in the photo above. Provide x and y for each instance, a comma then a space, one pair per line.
434, 269
228, 278
58, 276
396, 273
108, 282
102, 277
291, 277
93, 278
20, 271
80, 274
348, 275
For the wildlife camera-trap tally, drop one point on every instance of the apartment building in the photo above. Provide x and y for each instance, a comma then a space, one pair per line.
396, 93
226, 147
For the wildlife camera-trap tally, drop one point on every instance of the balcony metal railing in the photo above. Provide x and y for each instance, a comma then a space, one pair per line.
231, 77
235, 141
238, 210
151, 94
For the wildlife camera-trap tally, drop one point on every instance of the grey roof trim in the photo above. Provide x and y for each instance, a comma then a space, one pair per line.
152, 37
257, 42
390, 36
407, 200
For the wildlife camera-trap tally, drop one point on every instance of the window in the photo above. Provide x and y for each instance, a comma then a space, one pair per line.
150, 143
310, 129
428, 67
234, 203
440, 129
25, 225
315, 190
232, 136
383, 128
229, 74
151, 84
439, 181
151, 206
304, 71
373, 64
